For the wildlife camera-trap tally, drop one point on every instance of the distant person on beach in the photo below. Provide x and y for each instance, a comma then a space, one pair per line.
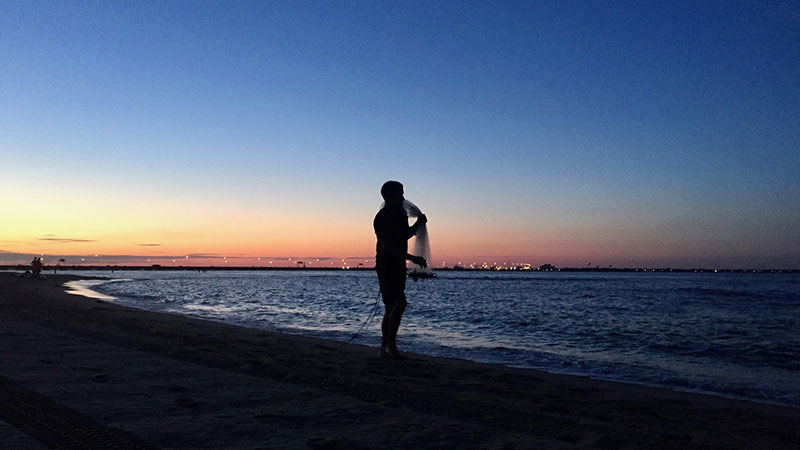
36, 266
393, 233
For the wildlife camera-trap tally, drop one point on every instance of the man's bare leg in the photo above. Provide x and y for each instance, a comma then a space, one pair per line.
386, 331
389, 327
395, 316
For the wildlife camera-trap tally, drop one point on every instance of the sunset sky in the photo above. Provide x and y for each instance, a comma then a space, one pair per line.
642, 134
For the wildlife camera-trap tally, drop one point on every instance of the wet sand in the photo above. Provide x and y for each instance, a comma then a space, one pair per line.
86, 372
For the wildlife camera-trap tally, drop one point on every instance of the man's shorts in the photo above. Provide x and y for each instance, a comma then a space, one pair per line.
392, 282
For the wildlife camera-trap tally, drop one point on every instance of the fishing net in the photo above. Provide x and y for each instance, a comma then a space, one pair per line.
422, 246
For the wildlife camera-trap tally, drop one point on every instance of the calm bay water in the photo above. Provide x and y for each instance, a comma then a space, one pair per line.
735, 335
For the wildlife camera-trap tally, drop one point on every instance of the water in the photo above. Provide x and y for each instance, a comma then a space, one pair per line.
736, 335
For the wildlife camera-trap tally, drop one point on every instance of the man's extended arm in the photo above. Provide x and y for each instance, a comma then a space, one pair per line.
388, 249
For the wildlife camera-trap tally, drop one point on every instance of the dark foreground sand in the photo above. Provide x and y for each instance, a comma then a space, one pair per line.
82, 373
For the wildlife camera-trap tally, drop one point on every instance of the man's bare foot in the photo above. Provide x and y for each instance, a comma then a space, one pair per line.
391, 352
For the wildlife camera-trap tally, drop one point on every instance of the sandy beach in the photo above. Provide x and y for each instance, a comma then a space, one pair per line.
87, 373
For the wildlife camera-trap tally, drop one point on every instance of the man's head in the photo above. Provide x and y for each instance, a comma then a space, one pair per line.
392, 192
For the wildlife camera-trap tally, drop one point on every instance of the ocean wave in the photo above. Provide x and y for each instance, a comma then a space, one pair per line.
735, 335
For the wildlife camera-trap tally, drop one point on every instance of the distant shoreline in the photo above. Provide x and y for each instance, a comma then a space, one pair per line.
157, 267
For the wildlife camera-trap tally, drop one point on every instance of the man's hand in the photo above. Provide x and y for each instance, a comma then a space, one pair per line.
419, 260
422, 219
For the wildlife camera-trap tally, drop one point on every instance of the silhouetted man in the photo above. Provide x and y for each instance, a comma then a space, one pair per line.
393, 232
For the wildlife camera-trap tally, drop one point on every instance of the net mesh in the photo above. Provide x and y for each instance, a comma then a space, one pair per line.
422, 246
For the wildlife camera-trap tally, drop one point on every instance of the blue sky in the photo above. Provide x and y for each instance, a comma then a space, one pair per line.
642, 133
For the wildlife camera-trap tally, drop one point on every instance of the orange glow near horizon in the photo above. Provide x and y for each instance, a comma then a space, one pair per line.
126, 228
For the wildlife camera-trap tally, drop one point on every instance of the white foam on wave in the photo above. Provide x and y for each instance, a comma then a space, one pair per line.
84, 288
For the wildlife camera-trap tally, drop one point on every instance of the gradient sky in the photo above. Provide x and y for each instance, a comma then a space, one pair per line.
641, 134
